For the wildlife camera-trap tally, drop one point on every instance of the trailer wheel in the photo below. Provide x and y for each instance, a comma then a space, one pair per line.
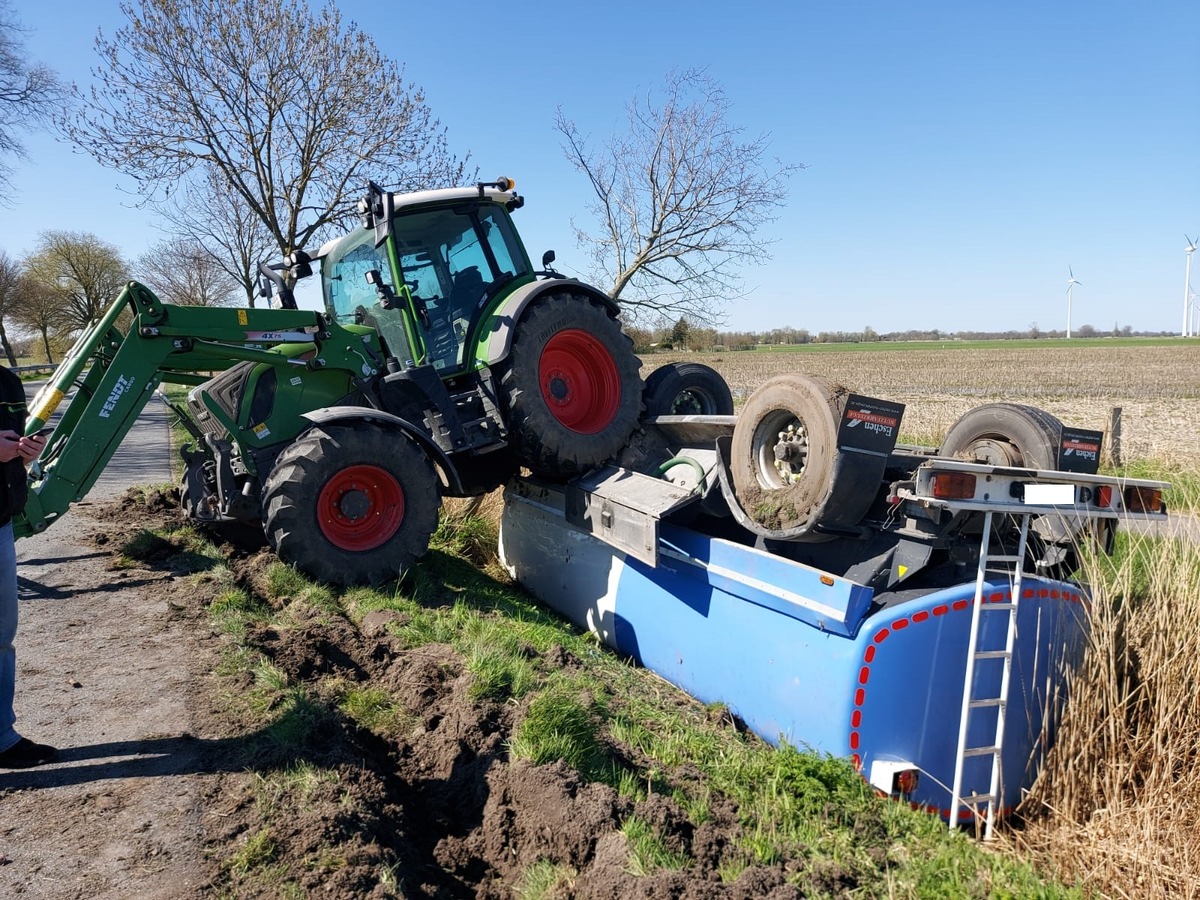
351, 504
1005, 434
687, 389
783, 449
570, 386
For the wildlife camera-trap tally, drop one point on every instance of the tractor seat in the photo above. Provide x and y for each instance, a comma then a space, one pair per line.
468, 286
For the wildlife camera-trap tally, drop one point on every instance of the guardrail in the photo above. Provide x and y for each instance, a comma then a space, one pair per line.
44, 367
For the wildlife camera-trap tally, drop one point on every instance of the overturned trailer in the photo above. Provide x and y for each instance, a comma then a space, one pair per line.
910, 611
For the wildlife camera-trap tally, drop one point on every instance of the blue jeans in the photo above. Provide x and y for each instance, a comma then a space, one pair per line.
8, 632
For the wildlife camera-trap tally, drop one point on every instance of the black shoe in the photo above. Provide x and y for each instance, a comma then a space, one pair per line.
25, 754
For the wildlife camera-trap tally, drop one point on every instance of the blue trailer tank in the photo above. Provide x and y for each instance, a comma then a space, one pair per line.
814, 659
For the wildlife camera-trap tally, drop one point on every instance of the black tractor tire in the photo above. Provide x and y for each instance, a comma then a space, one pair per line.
806, 410
687, 389
351, 504
570, 387
1005, 434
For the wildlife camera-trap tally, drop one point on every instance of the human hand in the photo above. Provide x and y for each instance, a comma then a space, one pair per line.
29, 447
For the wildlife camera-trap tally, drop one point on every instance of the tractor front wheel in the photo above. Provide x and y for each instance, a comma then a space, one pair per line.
571, 386
351, 504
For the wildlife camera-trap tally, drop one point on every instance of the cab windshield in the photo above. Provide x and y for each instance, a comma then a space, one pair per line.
452, 260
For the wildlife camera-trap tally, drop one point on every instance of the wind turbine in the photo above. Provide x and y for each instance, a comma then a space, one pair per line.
1187, 288
1070, 287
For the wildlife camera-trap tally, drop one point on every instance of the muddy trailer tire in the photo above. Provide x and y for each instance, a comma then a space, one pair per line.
687, 389
789, 477
1005, 434
351, 503
570, 386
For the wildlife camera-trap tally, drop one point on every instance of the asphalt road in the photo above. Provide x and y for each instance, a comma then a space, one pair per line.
144, 457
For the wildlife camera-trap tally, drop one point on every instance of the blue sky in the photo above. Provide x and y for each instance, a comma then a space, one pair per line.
960, 156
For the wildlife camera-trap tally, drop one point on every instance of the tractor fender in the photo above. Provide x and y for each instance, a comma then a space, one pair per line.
496, 345
339, 414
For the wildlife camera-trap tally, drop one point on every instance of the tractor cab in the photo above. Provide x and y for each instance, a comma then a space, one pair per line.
426, 269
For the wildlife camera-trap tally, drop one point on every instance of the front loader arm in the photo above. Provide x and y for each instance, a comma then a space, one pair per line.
115, 374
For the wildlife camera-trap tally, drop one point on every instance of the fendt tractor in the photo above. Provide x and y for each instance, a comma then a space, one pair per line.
442, 363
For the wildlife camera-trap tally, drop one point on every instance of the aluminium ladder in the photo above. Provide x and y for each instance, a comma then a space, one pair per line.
1014, 568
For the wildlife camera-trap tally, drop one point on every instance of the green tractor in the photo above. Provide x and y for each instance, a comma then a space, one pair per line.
442, 364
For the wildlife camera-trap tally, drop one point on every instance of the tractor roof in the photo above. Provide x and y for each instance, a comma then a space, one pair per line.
451, 195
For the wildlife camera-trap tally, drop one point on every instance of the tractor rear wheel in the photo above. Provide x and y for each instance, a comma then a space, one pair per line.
351, 504
687, 389
571, 387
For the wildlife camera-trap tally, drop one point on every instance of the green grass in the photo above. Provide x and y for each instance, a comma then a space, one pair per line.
255, 854
544, 880
376, 710
647, 853
563, 722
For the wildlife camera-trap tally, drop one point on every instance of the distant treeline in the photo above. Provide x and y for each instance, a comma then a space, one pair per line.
683, 335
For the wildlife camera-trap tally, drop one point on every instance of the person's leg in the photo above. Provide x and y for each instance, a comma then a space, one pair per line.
8, 633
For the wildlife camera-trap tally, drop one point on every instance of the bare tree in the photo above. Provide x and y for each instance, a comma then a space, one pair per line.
85, 272
182, 272
220, 223
678, 199
10, 298
29, 92
277, 99
41, 310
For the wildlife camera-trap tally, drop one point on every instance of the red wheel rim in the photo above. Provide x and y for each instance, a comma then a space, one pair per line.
580, 382
360, 508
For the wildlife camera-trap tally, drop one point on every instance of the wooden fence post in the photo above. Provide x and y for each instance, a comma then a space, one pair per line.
1113, 444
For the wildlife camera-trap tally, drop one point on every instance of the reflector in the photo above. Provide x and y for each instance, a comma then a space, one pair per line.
953, 485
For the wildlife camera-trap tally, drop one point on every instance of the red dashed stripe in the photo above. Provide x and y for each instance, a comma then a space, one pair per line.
864, 673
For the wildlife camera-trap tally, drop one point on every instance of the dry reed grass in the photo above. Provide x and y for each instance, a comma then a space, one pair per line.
1113, 808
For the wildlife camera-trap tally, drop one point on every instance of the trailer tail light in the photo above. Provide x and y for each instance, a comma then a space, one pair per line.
1143, 500
953, 485
895, 778
1104, 496
906, 781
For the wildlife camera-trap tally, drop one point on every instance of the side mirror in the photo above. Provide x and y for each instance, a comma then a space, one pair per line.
547, 258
